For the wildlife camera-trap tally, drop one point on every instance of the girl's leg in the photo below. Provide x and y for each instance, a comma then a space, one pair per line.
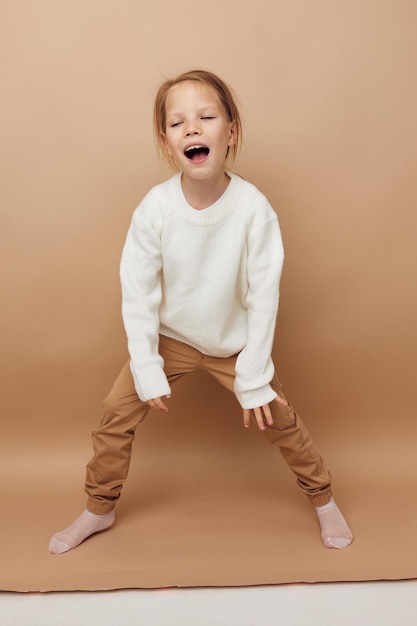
112, 442
296, 445
107, 470
289, 433
123, 411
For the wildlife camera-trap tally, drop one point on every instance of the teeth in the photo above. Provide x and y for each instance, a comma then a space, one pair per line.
189, 152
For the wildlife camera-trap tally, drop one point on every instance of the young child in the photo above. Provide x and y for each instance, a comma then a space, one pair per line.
200, 274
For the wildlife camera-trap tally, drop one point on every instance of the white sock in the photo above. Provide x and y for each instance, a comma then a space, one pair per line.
85, 525
335, 533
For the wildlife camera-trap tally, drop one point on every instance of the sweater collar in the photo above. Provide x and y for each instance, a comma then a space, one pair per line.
214, 213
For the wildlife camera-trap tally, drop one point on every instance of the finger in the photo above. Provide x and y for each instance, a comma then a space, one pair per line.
160, 405
268, 414
259, 418
157, 403
246, 418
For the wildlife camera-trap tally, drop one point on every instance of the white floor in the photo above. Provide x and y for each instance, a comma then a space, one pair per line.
335, 604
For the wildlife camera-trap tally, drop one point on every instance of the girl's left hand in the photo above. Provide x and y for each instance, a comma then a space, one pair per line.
262, 414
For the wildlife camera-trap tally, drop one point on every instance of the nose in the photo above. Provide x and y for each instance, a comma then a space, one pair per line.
192, 128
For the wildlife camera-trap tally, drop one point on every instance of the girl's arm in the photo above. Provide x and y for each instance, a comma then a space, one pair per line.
140, 273
254, 366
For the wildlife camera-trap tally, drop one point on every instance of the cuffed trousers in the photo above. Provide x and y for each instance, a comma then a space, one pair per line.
123, 411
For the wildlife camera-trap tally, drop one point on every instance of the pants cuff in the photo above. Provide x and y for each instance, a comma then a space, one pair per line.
321, 498
99, 507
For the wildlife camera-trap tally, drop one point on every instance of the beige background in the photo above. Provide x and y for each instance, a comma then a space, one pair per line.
329, 97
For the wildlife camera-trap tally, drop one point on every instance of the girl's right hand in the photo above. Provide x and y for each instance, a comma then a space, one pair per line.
158, 403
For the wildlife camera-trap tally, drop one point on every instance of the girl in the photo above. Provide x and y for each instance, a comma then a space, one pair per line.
200, 274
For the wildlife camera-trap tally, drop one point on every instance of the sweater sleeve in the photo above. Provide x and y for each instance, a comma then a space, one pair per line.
140, 274
254, 366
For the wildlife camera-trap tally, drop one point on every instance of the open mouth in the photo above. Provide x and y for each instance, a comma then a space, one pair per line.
197, 153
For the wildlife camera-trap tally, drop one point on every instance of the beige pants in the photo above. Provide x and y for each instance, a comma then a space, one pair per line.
123, 411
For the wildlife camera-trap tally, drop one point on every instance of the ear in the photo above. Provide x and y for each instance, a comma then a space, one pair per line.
165, 143
232, 134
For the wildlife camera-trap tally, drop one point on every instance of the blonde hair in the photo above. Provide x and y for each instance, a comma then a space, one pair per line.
224, 94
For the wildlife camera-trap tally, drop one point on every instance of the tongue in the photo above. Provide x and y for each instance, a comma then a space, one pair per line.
199, 156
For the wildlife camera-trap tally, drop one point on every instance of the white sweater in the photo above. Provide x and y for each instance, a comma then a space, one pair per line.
208, 278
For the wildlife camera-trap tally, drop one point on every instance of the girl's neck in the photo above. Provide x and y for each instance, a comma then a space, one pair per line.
201, 194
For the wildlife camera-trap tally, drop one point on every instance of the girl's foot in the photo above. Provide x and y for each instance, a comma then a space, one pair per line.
85, 525
335, 533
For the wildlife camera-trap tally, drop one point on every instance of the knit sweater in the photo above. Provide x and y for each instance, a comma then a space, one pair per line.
208, 278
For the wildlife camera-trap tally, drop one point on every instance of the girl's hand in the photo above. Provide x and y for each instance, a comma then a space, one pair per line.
262, 414
158, 403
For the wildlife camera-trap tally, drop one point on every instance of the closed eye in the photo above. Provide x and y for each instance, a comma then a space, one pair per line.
174, 124
208, 117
